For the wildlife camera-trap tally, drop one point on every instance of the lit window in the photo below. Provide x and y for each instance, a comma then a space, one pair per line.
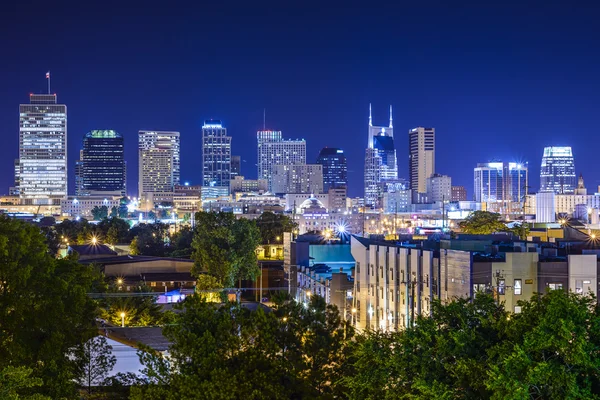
518, 287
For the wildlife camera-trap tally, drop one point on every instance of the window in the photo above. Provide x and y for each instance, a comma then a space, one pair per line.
518, 287
517, 309
555, 286
501, 286
578, 286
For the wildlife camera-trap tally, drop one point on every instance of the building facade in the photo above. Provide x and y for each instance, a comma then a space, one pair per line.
102, 167
459, 193
335, 169
500, 182
241, 185
421, 157
236, 166
297, 178
42, 169
558, 171
274, 150
439, 188
216, 155
159, 161
380, 160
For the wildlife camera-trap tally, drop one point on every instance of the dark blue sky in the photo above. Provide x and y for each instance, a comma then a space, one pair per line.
496, 81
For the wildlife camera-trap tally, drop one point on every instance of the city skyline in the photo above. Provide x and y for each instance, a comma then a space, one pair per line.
495, 97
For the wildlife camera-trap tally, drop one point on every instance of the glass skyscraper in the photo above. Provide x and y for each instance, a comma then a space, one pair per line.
216, 155
335, 169
102, 164
42, 168
558, 171
274, 150
500, 182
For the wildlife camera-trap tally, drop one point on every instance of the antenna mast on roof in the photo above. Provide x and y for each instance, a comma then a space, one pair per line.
264, 119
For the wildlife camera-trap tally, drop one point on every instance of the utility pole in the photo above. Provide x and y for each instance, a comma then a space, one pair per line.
499, 277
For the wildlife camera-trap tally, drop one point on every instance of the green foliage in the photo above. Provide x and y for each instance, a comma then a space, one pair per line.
150, 239
208, 288
45, 311
15, 380
228, 352
140, 310
99, 213
273, 225
47, 221
122, 210
114, 212
96, 361
482, 223
225, 247
114, 230
521, 230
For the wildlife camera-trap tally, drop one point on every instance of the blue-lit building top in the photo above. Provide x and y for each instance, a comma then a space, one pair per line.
102, 163
335, 168
558, 171
497, 182
216, 155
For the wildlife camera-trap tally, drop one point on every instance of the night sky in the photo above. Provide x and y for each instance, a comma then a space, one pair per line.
496, 81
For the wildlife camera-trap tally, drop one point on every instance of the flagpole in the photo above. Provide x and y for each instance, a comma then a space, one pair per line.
48, 76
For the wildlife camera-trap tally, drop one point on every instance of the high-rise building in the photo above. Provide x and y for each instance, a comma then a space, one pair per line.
335, 169
42, 171
380, 160
500, 182
558, 171
439, 188
421, 157
274, 150
216, 155
158, 161
236, 166
297, 178
103, 164
79, 175
459, 193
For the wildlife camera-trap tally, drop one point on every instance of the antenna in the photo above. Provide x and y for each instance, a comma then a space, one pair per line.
48, 77
370, 116
391, 116
264, 119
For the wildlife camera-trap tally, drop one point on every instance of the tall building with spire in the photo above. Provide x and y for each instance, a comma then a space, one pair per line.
42, 168
380, 160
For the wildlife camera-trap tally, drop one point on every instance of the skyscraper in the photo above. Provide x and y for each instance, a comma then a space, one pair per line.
500, 182
335, 169
158, 161
79, 175
558, 171
236, 166
42, 170
421, 157
103, 164
380, 159
274, 150
216, 155
298, 178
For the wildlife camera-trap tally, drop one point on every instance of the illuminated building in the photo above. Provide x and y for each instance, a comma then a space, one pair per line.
42, 170
274, 150
335, 169
216, 156
380, 160
158, 161
421, 157
236, 166
101, 165
297, 178
459, 193
558, 171
439, 188
500, 182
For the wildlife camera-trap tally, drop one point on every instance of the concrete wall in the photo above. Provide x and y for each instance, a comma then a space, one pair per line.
583, 272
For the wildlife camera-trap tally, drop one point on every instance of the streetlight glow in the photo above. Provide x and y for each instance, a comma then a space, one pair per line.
122, 319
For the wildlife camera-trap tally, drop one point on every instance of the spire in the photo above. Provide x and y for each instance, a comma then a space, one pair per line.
391, 126
370, 116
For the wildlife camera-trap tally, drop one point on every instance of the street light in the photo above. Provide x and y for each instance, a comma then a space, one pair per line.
94, 240
284, 319
122, 320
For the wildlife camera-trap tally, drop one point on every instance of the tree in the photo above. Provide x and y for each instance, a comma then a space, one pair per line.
99, 213
273, 225
14, 380
114, 230
45, 310
114, 212
521, 230
123, 211
47, 221
225, 247
150, 239
140, 309
482, 223
96, 362
208, 288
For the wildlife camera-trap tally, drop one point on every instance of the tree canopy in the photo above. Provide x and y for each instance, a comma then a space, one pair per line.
273, 225
482, 223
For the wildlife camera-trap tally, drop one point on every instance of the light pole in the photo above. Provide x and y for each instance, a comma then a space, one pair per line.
122, 320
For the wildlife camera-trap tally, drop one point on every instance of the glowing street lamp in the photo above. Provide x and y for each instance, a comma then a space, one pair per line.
122, 320
94, 240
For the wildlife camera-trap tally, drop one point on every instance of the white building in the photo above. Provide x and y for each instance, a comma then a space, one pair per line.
42, 168
297, 199
274, 150
421, 157
158, 161
239, 184
297, 178
82, 206
548, 205
439, 188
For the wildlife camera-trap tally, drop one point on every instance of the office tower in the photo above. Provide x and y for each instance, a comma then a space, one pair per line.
79, 175
297, 178
421, 157
274, 150
558, 171
158, 161
102, 164
236, 166
42, 150
459, 193
335, 170
439, 188
380, 160
216, 155
500, 182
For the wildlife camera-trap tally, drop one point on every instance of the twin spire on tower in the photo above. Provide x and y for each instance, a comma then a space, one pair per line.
371, 116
